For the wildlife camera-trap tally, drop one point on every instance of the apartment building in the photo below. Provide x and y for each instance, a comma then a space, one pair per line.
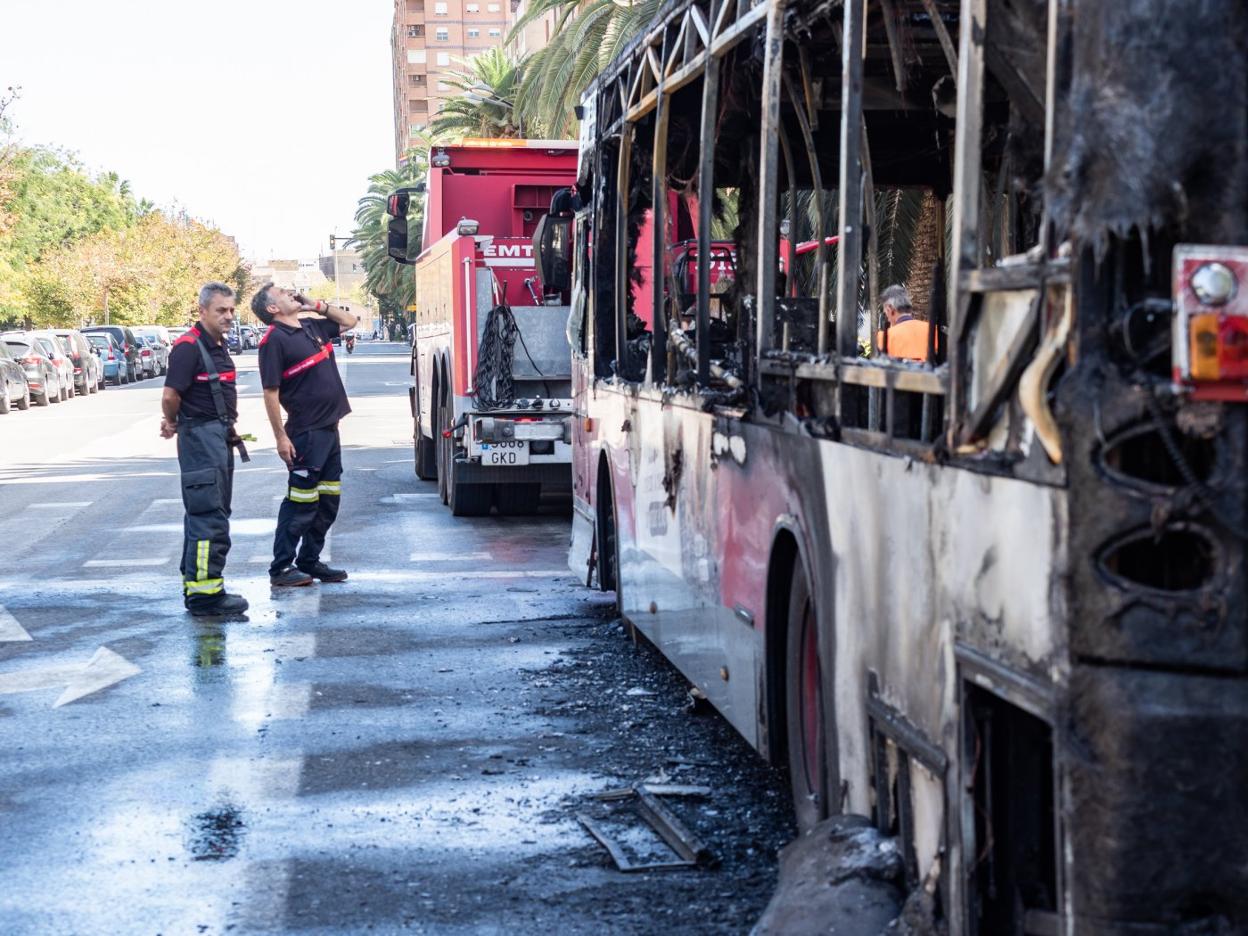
429, 39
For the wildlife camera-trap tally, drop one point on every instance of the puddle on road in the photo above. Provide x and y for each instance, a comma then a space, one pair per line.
216, 835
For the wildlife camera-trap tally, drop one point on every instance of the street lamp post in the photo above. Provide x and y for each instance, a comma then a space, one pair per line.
333, 249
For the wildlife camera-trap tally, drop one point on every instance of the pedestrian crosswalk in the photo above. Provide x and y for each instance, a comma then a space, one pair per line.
124, 544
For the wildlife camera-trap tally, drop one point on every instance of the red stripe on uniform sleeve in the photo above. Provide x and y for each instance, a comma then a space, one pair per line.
265, 336
190, 337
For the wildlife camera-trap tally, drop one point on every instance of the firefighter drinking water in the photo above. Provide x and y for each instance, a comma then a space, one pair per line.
199, 405
298, 373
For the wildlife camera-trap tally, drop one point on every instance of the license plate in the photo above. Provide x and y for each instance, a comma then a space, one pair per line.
505, 454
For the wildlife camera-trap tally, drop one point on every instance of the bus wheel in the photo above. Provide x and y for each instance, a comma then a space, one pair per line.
804, 706
608, 544
518, 500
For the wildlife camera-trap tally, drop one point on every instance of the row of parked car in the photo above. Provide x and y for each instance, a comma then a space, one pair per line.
51, 365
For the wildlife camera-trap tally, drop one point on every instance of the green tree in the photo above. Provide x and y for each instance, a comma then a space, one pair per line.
149, 272
393, 283
47, 203
588, 35
485, 106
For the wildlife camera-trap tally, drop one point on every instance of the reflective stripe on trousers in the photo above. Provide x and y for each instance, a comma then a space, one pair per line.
312, 497
207, 465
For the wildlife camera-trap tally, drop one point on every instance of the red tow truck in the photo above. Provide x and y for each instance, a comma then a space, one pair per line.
491, 365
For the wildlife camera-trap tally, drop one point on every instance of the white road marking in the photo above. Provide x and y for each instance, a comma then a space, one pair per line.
62, 505
255, 780
450, 557
145, 561
104, 669
10, 630
453, 578
82, 478
167, 500
407, 498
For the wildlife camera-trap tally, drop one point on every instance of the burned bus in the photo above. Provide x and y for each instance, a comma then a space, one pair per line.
990, 596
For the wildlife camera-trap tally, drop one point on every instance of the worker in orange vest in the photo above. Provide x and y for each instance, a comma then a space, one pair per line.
906, 337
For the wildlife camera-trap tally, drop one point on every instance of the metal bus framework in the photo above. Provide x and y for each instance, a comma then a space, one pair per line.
993, 600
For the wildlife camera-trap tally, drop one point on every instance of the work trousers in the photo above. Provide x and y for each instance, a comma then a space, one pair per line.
312, 496
207, 464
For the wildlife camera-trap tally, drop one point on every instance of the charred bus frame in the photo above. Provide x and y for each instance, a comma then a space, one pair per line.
1014, 569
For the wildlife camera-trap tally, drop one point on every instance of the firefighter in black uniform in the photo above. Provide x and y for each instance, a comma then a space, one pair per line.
299, 375
199, 406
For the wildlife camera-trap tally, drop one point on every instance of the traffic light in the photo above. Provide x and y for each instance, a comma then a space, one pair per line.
333, 242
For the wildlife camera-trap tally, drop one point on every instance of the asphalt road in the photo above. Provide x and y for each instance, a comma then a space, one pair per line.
403, 752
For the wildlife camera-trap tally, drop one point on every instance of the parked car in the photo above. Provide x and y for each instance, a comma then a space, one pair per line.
128, 343
112, 358
234, 341
14, 390
177, 332
160, 349
147, 356
41, 374
249, 337
88, 371
59, 355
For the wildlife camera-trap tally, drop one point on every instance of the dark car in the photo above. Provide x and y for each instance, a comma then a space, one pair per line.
14, 391
88, 372
128, 343
234, 341
41, 374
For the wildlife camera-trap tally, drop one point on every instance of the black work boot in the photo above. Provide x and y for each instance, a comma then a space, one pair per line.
289, 577
216, 605
323, 572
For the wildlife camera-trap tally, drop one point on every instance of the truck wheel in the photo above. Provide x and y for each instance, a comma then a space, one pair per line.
804, 705
445, 450
469, 500
426, 458
426, 450
518, 500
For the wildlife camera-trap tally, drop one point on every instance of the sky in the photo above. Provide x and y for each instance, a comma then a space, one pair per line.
263, 117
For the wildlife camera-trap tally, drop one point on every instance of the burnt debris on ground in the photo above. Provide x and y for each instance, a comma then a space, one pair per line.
634, 710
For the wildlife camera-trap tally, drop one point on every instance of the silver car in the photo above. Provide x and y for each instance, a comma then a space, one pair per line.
88, 371
42, 377
161, 343
58, 353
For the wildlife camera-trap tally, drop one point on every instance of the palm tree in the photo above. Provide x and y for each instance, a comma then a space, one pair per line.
588, 35
393, 283
485, 107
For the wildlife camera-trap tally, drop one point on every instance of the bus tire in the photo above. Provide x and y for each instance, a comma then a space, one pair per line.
606, 537
518, 500
805, 729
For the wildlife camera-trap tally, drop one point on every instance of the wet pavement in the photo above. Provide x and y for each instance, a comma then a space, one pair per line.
405, 752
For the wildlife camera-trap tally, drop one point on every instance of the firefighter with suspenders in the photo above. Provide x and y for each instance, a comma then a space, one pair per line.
299, 375
199, 406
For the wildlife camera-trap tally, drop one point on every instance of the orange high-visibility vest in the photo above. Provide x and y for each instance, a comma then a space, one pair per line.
907, 339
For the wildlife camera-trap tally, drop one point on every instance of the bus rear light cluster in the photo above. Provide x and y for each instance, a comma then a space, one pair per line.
1211, 321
